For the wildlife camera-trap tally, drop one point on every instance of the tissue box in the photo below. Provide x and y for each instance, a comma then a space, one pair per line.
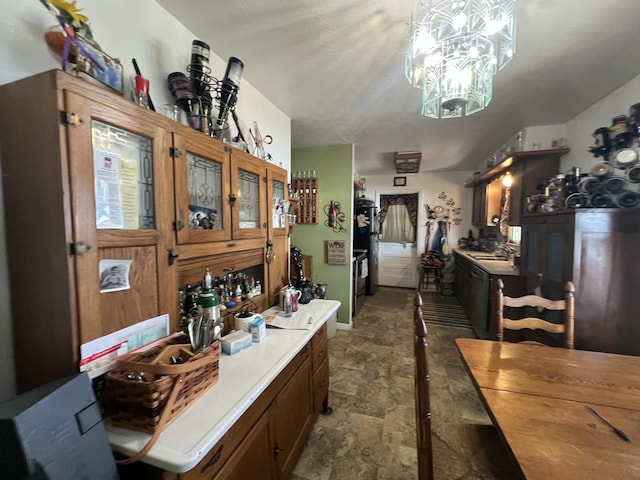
258, 329
235, 342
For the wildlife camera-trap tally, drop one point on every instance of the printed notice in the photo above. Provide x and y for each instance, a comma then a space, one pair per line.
297, 321
129, 193
107, 189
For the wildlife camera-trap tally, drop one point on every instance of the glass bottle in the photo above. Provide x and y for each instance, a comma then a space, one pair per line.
199, 66
333, 215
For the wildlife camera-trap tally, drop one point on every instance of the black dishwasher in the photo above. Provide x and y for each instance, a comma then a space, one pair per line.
479, 282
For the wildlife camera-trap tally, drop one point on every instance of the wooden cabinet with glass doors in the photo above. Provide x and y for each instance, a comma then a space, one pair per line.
101, 199
89, 239
224, 203
220, 191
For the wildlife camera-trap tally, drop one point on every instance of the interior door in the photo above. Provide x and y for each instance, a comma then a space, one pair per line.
397, 262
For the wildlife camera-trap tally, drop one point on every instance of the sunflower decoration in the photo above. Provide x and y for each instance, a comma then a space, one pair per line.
70, 17
75, 45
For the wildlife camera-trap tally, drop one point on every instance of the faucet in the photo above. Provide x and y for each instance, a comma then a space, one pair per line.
505, 249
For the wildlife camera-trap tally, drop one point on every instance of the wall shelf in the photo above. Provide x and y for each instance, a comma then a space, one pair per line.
511, 161
307, 189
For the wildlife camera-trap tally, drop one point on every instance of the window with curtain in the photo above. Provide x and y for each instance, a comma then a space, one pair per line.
398, 218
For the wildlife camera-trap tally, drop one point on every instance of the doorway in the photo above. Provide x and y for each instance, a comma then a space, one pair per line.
398, 253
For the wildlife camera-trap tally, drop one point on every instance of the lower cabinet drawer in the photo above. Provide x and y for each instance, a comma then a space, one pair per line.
319, 354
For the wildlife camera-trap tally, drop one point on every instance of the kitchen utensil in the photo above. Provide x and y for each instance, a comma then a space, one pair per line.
192, 336
616, 430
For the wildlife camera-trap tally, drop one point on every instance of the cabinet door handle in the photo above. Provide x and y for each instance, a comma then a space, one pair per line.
171, 255
277, 450
213, 459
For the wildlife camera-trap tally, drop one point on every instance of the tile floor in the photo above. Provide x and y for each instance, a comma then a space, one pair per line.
371, 433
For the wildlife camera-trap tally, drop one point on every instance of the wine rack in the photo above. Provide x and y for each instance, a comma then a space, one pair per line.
307, 190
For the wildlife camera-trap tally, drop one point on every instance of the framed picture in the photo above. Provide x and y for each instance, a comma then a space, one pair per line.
399, 181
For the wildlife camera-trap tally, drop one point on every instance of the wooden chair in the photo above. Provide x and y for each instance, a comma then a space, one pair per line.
422, 400
536, 330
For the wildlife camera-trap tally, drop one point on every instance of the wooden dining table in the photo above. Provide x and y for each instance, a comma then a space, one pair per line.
537, 397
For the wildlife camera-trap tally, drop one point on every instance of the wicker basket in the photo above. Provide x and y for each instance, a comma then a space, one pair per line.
138, 388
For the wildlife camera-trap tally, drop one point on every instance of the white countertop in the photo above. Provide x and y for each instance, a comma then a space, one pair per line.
242, 378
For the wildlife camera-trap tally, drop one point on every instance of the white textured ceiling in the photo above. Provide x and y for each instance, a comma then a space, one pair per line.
336, 68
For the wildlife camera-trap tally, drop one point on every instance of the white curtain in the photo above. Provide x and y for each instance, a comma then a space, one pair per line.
397, 227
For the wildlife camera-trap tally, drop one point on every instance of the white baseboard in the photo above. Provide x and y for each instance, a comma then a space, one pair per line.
344, 326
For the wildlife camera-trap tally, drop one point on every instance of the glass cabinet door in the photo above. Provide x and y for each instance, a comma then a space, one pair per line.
118, 176
278, 205
123, 175
202, 189
248, 198
248, 201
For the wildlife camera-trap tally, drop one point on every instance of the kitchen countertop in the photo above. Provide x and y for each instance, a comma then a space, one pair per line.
494, 267
242, 378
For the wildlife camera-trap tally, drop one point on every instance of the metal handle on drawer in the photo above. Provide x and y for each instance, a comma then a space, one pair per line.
213, 460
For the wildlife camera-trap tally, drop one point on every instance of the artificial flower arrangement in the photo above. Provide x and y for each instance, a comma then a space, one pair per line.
75, 44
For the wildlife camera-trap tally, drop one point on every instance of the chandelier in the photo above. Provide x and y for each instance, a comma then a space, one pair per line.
455, 47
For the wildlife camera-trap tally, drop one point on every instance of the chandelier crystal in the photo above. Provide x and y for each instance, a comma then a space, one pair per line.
455, 47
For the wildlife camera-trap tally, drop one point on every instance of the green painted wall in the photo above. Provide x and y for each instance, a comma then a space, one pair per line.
333, 166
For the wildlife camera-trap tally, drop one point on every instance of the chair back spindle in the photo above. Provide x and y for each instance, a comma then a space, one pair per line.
422, 400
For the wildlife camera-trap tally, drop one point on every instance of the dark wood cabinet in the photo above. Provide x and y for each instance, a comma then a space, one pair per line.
474, 290
594, 248
528, 170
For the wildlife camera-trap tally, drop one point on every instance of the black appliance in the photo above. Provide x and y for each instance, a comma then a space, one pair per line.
366, 229
55, 432
359, 282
